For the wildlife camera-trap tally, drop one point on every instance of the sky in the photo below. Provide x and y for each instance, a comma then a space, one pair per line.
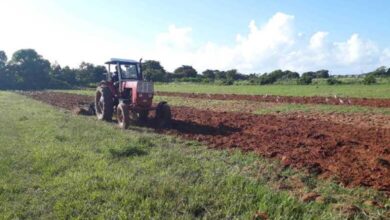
253, 36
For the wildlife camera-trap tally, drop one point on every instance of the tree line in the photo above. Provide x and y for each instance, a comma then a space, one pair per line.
155, 72
26, 69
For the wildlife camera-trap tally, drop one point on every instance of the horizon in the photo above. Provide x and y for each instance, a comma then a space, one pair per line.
260, 38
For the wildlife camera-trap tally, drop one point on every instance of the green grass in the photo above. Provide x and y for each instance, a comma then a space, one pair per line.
355, 90
59, 166
368, 91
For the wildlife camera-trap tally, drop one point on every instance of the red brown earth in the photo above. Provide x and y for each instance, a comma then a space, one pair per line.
383, 103
360, 119
352, 155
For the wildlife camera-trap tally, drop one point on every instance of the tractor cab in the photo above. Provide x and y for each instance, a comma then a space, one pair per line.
124, 70
125, 80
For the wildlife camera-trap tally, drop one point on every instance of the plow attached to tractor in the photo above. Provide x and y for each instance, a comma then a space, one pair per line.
127, 95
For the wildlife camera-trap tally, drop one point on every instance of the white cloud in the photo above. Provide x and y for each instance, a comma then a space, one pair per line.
175, 38
265, 47
258, 49
270, 46
385, 58
317, 41
356, 50
57, 37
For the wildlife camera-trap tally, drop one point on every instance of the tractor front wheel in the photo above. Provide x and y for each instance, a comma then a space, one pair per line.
104, 103
163, 115
122, 115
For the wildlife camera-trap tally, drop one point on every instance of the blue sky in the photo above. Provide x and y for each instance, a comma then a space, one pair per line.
252, 36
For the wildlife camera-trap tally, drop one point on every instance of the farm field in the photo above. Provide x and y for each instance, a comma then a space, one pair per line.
344, 147
58, 165
358, 90
325, 152
186, 110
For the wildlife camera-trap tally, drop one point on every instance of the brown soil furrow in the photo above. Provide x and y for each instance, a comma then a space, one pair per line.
383, 103
352, 155
355, 156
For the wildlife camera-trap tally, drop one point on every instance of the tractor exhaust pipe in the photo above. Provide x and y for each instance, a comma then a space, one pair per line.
140, 67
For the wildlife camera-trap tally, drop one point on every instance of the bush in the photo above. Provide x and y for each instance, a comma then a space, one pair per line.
305, 80
369, 79
242, 83
228, 82
333, 81
189, 79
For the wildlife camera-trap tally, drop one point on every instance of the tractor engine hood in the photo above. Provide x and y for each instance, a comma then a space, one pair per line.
141, 92
140, 86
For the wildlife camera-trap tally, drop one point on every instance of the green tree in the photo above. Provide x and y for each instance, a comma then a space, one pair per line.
380, 72
317, 74
369, 79
322, 74
309, 74
305, 80
4, 77
88, 73
68, 75
62, 77
152, 64
153, 71
333, 81
55, 71
290, 75
210, 74
220, 75
3, 59
185, 71
30, 70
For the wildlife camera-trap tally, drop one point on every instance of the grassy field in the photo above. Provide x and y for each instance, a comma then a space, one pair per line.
368, 91
57, 165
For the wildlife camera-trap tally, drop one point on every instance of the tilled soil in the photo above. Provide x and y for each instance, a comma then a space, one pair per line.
355, 156
370, 121
352, 155
360, 119
286, 99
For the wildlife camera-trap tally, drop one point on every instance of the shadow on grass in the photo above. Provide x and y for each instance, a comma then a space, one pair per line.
127, 152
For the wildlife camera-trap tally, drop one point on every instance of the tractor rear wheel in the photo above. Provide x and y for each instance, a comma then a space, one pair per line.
143, 116
163, 115
122, 115
104, 103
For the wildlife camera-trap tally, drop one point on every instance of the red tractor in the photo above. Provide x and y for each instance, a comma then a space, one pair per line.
126, 93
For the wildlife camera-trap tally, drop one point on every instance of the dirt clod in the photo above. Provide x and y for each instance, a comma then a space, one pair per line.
384, 162
260, 216
370, 203
349, 210
311, 196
